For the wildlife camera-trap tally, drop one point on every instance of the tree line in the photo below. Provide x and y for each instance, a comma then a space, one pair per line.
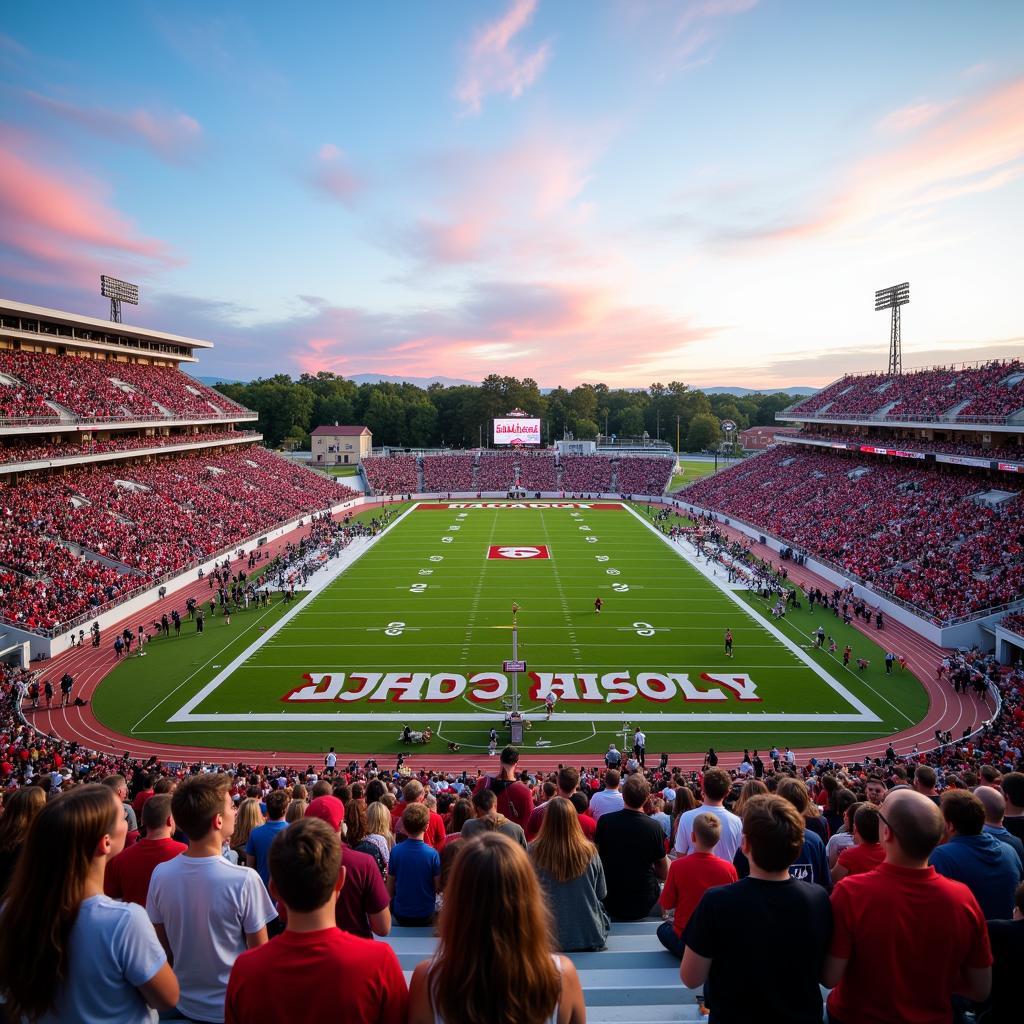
459, 416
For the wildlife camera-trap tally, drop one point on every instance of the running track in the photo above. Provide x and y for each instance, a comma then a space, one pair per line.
947, 710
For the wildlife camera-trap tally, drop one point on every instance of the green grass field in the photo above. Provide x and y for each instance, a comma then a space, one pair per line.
691, 470
415, 631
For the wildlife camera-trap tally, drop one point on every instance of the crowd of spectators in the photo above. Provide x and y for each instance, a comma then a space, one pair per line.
497, 472
538, 472
990, 390
448, 473
641, 475
12, 453
911, 532
150, 519
392, 474
92, 388
586, 473
881, 870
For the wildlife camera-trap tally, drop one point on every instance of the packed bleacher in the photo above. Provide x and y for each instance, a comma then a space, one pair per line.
641, 475
392, 474
586, 473
913, 533
496, 472
448, 472
150, 519
18, 453
631, 874
103, 389
992, 390
538, 472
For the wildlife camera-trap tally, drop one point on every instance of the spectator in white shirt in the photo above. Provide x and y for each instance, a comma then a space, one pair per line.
716, 786
206, 910
609, 798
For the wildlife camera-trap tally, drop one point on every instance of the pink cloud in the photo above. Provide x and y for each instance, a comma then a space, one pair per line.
495, 65
555, 333
59, 223
975, 146
911, 117
513, 205
171, 136
332, 175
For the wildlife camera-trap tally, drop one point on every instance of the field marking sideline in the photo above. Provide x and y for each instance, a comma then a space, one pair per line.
867, 715
183, 714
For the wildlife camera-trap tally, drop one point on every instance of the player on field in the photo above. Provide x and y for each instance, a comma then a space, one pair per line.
549, 705
598, 604
728, 643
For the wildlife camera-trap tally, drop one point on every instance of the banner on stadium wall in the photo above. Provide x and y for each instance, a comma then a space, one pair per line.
518, 430
899, 453
963, 460
1011, 467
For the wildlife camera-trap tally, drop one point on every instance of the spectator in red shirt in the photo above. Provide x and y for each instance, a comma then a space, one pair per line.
128, 874
905, 938
414, 793
340, 977
145, 780
689, 878
515, 800
362, 906
567, 780
866, 853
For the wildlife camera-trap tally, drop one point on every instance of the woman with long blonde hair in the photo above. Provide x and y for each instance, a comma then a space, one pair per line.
572, 876
67, 951
249, 816
494, 962
296, 809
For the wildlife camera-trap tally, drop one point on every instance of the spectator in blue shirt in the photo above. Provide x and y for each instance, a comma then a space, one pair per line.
414, 871
989, 868
257, 849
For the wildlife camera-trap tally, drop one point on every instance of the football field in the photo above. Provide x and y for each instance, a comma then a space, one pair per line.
417, 631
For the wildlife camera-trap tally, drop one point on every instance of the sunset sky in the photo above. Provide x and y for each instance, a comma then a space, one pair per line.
575, 190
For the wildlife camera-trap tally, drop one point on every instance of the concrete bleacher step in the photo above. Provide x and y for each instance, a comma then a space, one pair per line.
633, 980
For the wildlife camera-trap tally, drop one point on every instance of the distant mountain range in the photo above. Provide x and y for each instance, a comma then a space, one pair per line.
448, 382
420, 382
743, 392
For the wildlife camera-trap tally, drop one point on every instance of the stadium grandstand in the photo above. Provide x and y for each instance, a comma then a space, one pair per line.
120, 473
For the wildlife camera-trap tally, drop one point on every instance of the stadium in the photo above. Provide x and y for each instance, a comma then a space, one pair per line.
487, 701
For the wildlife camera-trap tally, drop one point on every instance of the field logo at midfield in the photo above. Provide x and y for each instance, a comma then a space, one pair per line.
520, 551
484, 687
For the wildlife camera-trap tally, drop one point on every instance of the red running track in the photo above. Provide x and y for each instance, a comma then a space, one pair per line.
947, 710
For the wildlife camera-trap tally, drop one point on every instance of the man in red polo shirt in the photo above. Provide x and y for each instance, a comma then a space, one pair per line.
866, 853
128, 874
414, 793
905, 939
314, 972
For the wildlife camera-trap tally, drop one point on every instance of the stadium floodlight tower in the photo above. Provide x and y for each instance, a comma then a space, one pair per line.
118, 291
892, 298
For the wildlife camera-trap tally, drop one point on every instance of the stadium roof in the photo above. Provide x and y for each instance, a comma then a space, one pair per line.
8, 307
